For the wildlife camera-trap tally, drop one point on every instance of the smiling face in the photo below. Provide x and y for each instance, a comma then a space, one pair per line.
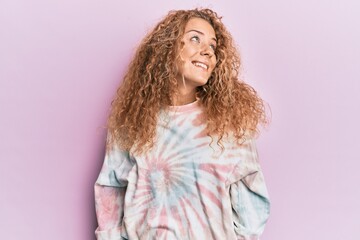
197, 55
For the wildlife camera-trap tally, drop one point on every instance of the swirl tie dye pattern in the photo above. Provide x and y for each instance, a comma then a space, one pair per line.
184, 188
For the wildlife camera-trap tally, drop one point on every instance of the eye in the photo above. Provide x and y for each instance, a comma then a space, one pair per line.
213, 47
195, 39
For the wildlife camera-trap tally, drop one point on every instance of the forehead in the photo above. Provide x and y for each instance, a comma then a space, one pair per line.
201, 25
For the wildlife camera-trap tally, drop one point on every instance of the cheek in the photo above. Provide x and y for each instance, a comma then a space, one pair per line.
188, 51
179, 66
213, 65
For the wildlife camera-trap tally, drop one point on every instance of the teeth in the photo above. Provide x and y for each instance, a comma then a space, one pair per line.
202, 65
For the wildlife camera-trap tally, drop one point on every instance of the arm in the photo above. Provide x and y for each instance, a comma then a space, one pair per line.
110, 188
249, 197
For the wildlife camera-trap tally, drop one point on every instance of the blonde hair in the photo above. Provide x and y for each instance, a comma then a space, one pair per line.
150, 83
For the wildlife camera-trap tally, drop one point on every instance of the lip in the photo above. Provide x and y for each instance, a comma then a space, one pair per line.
200, 62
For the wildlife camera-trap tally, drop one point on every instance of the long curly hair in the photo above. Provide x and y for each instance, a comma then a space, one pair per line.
150, 83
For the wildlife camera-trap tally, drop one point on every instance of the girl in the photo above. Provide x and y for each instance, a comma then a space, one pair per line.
181, 161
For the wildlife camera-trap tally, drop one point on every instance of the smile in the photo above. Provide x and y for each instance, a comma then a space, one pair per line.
200, 64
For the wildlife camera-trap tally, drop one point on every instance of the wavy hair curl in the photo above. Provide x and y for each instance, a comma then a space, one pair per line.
150, 83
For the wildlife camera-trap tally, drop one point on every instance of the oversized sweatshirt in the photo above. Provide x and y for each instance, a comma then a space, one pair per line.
186, 187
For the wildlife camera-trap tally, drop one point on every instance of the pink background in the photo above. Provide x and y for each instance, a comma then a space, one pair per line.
61, 61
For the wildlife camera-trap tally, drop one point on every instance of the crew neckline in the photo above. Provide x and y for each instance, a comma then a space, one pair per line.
186, 107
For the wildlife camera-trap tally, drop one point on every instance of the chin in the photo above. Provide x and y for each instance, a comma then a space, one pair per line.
196, 82
200, 82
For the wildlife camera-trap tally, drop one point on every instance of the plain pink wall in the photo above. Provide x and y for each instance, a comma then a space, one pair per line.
61, 61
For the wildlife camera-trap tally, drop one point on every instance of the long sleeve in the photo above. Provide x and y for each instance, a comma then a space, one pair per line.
109, 189
249, 196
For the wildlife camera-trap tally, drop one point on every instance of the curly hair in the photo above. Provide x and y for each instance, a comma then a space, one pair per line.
150, 83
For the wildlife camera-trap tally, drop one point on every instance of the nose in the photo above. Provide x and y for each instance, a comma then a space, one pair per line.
206, 51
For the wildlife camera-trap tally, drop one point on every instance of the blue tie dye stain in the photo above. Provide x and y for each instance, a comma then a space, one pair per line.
172, 188
113, 179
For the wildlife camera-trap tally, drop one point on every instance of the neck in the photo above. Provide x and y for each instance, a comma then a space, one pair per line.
184, 96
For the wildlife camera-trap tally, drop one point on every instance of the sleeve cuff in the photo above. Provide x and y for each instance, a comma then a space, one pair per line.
111, 234
252, 237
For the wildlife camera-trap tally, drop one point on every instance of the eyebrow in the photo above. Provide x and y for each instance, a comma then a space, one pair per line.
201, 34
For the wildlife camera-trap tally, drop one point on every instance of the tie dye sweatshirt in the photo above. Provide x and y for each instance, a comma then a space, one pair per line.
184, 188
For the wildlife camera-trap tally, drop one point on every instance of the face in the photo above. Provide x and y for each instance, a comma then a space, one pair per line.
197, 55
